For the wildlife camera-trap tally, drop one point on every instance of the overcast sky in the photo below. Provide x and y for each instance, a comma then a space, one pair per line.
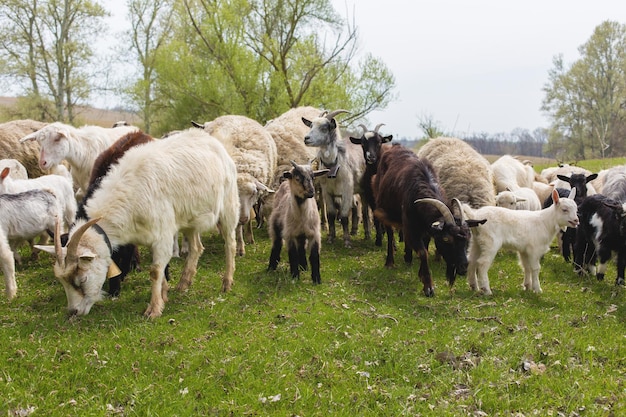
473, 65
469, 65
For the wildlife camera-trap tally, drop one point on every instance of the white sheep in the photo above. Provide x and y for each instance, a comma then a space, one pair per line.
523, 198
529, 233
11, 148
78, 146
186, 183
346, 166
463, 173
25, 216
58, 184
296, 220
511, 173
614, 183
254, 152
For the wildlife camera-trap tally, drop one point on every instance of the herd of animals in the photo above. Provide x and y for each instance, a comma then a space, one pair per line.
100, 192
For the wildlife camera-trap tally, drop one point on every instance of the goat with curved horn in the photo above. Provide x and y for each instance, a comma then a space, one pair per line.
443, 209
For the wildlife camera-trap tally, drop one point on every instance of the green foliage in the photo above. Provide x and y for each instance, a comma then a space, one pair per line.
586, 99
365, 342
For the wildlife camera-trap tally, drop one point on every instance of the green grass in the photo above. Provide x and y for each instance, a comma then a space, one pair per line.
365, 342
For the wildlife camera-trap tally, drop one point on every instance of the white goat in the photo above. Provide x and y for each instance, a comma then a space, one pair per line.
18, 170
346, 166
79, 147
296, 220
529, 233
25, 216
523, 198
60, 185
185, 183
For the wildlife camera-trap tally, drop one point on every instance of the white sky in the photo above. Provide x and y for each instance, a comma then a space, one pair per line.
468, 65
473, 65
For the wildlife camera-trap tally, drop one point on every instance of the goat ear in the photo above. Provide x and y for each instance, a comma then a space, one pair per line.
563, 177
591, 177
387, 138
306, 122
572, 194
437, 226
519, 199
48, 248
320, 172
28, 137
5, 173
287, 175
356, 141
476, 223
555, 196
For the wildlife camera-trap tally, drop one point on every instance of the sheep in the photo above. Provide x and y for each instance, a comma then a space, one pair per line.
346, 166
27, 154
529, 233
373, 145
288, 133
296, 220
614, 183
463, 172
409, 198
25, 215
79, 147
511, 173
125, 256
254, 151
17, 169
185, 183
60, 185
602, 231
523, 198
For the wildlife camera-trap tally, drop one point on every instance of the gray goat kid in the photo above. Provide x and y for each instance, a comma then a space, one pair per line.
25, 215
296, 220
346, 164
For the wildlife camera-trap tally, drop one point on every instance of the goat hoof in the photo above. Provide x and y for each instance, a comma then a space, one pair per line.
600, 277
429, 292
619, 281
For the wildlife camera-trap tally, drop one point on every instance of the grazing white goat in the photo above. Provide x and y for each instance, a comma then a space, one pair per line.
60, 185
25, 215
346, 164
529, 233
78, 146
185, 183
296, 220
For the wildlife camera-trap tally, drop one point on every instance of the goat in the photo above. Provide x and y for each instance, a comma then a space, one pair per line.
296, 220
125, 256
373, 145
602, 231
79, 147
529, 233
346, 166
17, 169
186, 182
25, 215
409, 198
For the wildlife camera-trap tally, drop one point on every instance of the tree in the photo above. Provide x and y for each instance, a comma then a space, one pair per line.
151, 24
277, 57
46, 49
586, 101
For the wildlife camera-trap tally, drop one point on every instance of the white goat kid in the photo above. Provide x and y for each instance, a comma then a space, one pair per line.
79, 147
529, 233
185, 183
25, 215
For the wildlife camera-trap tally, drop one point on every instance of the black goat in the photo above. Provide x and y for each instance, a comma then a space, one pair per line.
601, 232
409, 198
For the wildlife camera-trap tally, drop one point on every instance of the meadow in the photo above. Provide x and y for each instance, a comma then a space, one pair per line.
365, 342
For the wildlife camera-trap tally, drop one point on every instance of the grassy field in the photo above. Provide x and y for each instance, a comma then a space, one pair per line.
365, 342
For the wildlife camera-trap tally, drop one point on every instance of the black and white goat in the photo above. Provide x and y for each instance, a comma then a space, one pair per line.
346, 166
602, 231
296, 220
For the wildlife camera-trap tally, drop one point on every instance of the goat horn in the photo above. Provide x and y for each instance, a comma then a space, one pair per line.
323, 113
458, 204
332, 114
362, 126
443, 209
72, 245
378, 126
293, 163
196, 124
58, 249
